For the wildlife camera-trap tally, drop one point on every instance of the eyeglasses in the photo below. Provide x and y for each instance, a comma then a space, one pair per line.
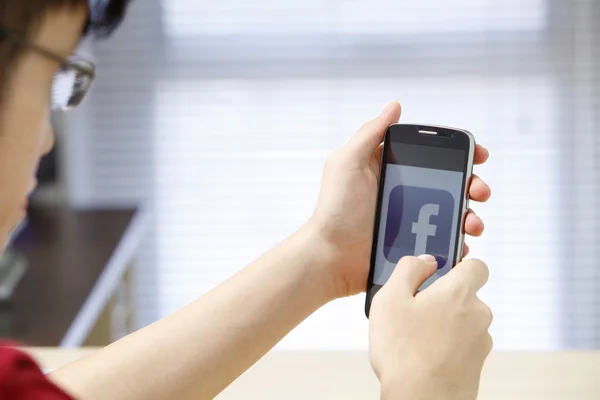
72, 81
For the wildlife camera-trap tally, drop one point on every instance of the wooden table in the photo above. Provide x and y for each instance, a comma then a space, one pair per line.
69, 256
347, 375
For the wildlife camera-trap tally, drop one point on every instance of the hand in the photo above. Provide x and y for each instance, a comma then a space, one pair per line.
345, 212
432, 345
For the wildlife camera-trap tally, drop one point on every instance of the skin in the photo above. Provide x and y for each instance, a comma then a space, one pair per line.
25, 130
199, 350
405, 331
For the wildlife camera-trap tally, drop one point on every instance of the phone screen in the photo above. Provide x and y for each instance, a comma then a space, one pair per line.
420, 207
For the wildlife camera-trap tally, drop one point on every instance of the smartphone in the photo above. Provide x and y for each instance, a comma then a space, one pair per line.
422, 199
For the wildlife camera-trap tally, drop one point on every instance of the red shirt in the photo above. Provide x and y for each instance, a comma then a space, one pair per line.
22, 379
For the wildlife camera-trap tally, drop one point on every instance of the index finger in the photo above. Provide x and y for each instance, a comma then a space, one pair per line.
481, 154
472, 273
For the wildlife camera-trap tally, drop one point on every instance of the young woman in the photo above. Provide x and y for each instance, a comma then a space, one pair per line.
202, 348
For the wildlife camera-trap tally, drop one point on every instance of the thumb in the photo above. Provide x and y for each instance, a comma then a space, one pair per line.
364, 142
411, 272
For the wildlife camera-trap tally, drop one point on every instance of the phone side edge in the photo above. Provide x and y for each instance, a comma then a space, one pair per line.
465, 195
370, 293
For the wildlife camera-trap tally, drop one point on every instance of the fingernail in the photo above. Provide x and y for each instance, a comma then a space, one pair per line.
428, 258
388, 107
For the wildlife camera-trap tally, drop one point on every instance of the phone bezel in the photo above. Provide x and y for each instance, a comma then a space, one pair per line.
411, 134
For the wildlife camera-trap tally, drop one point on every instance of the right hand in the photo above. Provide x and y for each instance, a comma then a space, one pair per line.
430, 345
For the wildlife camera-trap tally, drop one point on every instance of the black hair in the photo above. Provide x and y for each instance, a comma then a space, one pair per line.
105, 16
24, 16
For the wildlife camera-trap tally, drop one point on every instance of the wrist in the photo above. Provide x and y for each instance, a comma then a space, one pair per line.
323, 260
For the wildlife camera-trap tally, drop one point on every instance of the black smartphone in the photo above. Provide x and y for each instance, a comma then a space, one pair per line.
422, 201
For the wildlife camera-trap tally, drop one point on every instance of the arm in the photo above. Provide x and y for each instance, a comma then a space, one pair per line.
199, 350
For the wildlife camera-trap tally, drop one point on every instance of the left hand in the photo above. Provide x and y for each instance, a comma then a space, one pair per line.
345, 212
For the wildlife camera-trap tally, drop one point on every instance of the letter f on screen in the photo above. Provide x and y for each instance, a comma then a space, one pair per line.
423, 228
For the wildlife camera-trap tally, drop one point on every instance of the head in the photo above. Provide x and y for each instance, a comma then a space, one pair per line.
37, 40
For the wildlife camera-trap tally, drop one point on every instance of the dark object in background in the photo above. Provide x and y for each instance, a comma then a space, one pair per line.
51, 190
48, 168
67, 251
13, 265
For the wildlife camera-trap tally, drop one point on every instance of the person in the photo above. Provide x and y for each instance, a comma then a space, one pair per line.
199, 350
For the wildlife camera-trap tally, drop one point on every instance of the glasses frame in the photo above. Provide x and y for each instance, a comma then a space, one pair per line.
82, 65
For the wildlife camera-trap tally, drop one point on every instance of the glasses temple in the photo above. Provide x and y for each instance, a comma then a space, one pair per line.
62, 61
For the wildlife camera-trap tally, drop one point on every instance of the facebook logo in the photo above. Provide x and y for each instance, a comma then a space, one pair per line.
419, 221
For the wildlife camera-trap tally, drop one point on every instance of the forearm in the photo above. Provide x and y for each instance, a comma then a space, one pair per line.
198, 351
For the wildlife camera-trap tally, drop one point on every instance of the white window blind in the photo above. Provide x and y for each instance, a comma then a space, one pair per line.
225, 138
258, 164
189, 17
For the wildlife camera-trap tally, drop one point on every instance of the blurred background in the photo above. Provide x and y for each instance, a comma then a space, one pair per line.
213, 120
